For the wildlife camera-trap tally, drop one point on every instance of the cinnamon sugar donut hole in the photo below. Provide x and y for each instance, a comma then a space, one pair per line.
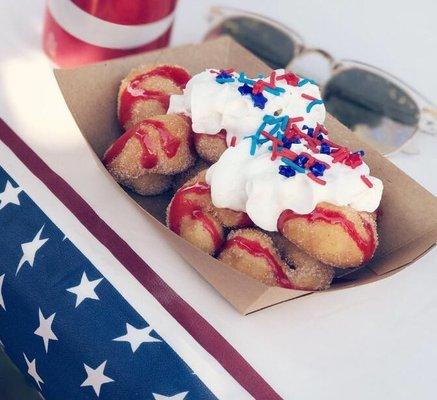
335, 235
144, 156
210, 147
304, 271
254, 253
192, 216
146, 90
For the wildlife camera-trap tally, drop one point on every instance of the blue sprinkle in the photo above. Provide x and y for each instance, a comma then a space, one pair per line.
276, 91
224, 77
360, 153
305, 81
312, 104
310, 132
301, 160
242, 78
275, 129
318, 169
259, 100
286, 171
269, 119
261, 128
256, 138
290, 163
245, 89
305, 127
286, 142
325, 149
320, 137
223, 80
284, 122
224, 74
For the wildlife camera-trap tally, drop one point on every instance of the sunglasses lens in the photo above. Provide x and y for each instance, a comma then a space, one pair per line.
377, 110
270, 44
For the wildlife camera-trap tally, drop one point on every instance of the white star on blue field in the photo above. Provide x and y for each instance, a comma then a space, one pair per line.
66, 328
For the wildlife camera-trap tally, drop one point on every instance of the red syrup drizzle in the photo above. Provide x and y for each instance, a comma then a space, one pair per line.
134, 92
149, 159
256, 250
181, 206
366, 246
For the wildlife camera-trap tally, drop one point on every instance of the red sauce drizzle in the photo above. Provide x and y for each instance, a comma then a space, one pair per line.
134, 92
367, 246
256, 250
149, 159
181, 206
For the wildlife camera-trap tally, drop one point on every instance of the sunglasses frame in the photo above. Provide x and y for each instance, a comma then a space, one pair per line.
427, 122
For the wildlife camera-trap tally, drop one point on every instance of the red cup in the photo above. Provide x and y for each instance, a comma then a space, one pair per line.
78, 32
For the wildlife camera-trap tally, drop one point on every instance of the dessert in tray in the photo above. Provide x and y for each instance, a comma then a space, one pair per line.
257, 181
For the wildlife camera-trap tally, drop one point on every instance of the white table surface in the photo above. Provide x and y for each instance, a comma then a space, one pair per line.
375, 341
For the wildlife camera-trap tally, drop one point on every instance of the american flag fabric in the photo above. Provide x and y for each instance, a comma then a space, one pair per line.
67, 328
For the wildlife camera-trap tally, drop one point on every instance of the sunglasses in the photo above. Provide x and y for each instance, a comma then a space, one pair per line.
375, 105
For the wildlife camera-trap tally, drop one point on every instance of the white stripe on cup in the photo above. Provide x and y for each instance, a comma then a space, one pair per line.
98, 32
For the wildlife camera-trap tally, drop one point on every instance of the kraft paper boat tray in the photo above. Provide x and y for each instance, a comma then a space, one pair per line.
407, 227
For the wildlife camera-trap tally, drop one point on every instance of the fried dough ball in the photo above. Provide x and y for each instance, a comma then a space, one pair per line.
253, 252
146, 90
338, 236
192, 216
149, 151
210, 147
305, 271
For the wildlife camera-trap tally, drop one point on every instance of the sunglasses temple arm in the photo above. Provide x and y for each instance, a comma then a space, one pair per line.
428, 120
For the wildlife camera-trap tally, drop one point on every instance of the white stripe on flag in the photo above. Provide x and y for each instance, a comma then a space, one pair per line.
98, 32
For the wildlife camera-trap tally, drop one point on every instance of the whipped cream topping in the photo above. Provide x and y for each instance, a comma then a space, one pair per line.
214, 106
281, 157
251, 183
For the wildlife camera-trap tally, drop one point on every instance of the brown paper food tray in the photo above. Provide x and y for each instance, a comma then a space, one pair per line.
407, 227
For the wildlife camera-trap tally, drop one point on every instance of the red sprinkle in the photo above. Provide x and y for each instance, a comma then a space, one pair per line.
320, 128
312, 142
273, 78
291, 155
290, 78
367, 181
270, 137
307, 96
315, 179
340, 155
258, 87
353, 160
274, 151
233, 141
312, 160
295, 119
